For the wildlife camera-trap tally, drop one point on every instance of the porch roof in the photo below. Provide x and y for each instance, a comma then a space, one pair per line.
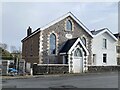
69, 43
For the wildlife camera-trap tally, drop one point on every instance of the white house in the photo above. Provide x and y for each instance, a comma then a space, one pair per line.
103, 48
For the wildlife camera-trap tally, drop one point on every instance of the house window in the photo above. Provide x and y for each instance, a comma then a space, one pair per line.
118, 49
94, 58
84, 41
69, 25
78, 53
118, 60
31, 51
104, 58
52, 44
104, 43
26, 51
65, 59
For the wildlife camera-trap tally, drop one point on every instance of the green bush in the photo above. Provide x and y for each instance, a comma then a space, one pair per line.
5, 55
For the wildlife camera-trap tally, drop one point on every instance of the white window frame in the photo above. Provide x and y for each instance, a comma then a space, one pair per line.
104, 57
94, 58
104, 43
50, 44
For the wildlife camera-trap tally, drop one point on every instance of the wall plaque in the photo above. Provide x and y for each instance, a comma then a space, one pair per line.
69, 36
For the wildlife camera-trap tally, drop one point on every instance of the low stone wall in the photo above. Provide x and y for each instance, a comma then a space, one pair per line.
103, 68
50, 69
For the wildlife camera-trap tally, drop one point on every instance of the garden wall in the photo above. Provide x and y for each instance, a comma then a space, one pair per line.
50, 69
103, 68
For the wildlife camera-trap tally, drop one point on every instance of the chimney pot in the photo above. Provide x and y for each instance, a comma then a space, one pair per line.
29, 31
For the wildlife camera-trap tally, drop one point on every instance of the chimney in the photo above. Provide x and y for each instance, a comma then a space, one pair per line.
93, 30
29, 31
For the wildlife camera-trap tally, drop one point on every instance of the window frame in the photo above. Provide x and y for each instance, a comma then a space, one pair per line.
118, 49
31, 50
69, 22
104, 43
94, 58
52, 43
76, 51
104, 58
118, 60
84, 39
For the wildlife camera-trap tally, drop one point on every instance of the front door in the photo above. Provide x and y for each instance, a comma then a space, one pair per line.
77, 61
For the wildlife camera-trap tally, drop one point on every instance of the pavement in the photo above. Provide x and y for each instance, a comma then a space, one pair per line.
50, 75
85, 80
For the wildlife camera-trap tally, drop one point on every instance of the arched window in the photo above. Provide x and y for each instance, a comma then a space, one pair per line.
52, 44
84, 41
69, 25
78, 53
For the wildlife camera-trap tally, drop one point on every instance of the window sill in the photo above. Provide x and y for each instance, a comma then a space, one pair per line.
69, 30
104, 48
104, 64
52, 54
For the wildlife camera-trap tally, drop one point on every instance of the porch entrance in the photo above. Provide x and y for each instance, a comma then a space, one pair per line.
77, 61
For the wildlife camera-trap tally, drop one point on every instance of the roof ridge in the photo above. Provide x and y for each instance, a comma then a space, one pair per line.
61, 18
102, 29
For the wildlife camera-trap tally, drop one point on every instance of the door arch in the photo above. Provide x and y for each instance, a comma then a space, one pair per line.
77, 60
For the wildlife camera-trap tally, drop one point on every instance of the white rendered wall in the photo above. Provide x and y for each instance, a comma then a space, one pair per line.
97, 48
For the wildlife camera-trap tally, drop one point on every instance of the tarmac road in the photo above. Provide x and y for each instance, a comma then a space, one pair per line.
99, 80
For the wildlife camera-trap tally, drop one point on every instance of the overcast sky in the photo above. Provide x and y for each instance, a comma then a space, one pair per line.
16, 17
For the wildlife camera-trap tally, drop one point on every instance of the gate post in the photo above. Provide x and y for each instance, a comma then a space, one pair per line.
34, 68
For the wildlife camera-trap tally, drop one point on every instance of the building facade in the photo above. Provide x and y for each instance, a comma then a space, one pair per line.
103, 48
60, 42
117, 35
67, 41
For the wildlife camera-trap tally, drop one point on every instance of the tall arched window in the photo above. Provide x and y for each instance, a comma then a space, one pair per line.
69, 25
52, 44
84, 41
78, 53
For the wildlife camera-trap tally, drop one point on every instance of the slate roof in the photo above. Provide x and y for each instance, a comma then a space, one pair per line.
69, 43
59, 19
96, 32
117, 35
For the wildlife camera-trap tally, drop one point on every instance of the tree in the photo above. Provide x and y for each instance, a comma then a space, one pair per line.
13, 49
3, 46
16, 53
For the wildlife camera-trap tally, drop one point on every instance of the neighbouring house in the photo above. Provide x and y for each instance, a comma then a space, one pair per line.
103, 48
64, 41
5, 65
6, 60
117, 35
